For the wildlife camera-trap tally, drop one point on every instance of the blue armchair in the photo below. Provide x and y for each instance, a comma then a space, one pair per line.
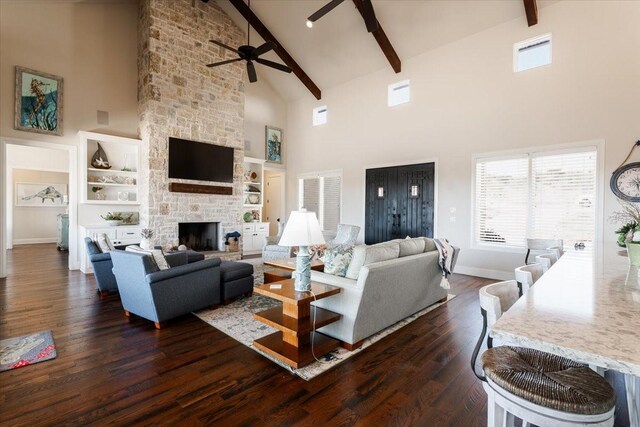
160, 295
103, 267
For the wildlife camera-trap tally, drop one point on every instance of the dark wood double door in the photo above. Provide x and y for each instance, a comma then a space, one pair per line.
399, 202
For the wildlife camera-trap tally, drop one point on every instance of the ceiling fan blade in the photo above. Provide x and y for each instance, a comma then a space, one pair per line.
251, 70
275, 65
369, 16
228, 61
224, 46
324, 10
262, 49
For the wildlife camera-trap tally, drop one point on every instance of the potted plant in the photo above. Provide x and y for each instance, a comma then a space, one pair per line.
113, 218
147, 239
629, 233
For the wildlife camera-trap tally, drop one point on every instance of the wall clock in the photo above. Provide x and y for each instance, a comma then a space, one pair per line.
625, 182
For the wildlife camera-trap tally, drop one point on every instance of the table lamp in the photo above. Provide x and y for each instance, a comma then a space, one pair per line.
302, 230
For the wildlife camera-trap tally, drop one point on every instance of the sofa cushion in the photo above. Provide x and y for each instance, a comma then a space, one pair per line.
232, 270
337, 260
411, 246
365, 255
429, 244
104, 243
156, 256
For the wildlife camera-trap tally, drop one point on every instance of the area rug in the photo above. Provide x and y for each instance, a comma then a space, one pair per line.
26, 350
236, 320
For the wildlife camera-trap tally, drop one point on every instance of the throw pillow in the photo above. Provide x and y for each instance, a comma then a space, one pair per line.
337, 260
429, 245
104, 243
155, 254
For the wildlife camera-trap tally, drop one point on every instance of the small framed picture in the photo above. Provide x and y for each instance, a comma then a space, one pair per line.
273, 144
38, 102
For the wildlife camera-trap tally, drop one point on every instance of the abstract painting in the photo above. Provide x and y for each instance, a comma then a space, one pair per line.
273, 144
38, 103
40, 195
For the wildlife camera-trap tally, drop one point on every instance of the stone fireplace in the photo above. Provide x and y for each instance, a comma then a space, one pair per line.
200, 236
178, 96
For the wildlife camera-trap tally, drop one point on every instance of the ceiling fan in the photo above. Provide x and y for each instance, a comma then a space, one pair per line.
250, 54
367, 12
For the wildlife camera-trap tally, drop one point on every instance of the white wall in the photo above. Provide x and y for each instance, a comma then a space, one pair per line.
263, 106
93, 46
466, 99
25, 164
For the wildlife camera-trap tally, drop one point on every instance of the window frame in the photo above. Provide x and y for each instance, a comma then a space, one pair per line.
597, 145
322, 174
391, 88
315, 114
529, 42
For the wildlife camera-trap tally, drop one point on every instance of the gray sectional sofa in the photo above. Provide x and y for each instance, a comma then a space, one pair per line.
385, 283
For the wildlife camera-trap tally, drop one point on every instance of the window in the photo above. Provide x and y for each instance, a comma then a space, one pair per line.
398, 93
321, 193
320, 115
546, 195
532, 53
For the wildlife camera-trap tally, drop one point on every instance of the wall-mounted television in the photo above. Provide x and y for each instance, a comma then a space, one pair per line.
200, 161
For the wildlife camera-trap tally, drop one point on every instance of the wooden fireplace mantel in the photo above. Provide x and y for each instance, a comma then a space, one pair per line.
179, 187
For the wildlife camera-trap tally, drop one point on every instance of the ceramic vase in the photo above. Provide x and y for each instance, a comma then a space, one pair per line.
633, 250
147, 244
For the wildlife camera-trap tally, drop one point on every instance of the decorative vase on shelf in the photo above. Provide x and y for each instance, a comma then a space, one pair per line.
99, 195
147, 243
633, 249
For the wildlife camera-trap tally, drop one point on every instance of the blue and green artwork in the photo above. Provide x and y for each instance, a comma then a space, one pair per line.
38, 98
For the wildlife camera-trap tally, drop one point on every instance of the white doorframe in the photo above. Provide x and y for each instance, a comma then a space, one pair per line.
73, 197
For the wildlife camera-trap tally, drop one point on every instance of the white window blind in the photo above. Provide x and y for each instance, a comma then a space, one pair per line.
321, 194
501, 201
545, 195
563, 196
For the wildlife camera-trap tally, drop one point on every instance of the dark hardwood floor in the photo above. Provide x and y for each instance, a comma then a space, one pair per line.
118, 371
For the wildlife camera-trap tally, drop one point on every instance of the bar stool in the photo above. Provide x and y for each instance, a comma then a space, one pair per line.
537, 387
543, 245
546, 260
527, 275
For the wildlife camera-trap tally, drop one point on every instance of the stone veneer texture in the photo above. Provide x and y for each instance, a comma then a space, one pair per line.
179, 96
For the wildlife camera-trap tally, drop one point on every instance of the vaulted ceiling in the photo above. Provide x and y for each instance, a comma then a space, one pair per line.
338, 48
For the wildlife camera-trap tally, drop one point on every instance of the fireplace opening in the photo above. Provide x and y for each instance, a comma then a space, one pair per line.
199, 236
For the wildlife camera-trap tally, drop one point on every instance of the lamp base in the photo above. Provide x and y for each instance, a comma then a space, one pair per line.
303, 270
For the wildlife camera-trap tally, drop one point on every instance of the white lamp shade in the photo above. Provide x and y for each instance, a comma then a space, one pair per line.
302, 229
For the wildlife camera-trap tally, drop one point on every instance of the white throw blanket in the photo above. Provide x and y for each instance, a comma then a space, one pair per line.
446, 252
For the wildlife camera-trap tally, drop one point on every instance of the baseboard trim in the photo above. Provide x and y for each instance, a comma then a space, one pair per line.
34, 241
483, 272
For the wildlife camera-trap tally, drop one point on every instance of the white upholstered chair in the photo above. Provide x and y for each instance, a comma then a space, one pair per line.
527, 275
546, 260
543, 245
537, 387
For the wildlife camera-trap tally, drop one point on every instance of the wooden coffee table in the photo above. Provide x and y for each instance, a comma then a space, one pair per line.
292, 343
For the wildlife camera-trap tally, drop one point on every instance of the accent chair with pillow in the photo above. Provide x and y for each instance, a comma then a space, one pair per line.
103, 266
160, 295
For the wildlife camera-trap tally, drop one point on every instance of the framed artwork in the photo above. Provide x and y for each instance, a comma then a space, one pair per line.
273, 145
38, 102
40, 195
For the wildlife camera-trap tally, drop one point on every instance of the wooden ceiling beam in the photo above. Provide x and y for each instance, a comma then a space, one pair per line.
531, 9
383, 42
264, 32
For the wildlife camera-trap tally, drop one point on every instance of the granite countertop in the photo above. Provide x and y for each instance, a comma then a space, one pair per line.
575, 312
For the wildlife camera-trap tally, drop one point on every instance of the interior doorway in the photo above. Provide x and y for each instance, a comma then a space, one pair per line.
38, 182
274, 196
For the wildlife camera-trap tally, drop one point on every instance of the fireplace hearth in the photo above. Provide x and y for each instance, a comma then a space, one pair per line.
199, 236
